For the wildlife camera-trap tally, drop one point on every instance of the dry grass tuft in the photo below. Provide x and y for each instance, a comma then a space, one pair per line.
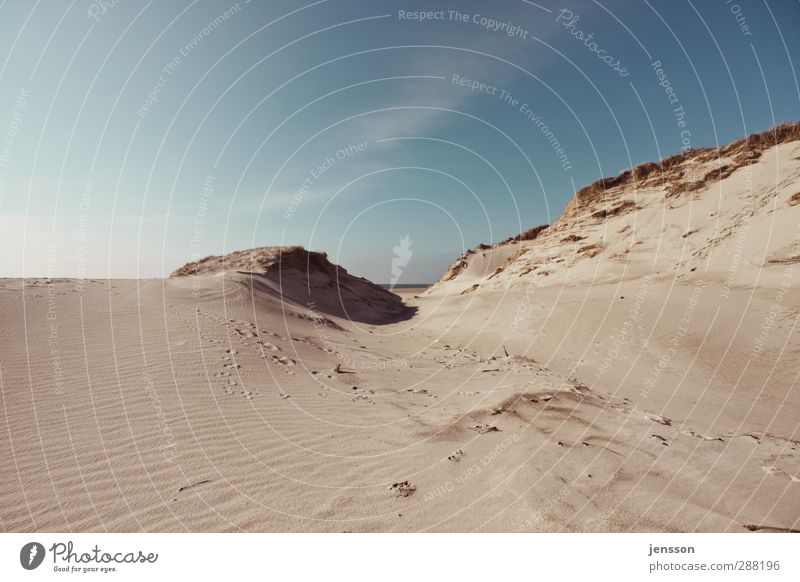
744, 151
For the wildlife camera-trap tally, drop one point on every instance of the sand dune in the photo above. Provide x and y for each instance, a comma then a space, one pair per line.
632, 367
727, 215
306, 280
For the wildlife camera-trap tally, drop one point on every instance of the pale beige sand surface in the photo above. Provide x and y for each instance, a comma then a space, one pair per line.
628, 370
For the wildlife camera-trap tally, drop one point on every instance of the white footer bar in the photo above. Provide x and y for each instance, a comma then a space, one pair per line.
355, 557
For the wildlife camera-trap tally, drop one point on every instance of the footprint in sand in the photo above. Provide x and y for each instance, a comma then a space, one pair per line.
403, 489
659, 419
660, 438
697, 435
233, 389
456, 457
484, 428
770, 467
283, 360
421, 391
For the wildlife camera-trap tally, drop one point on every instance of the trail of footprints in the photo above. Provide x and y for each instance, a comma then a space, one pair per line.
247, 336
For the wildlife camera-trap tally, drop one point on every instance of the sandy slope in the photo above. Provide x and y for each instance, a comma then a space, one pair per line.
611, 394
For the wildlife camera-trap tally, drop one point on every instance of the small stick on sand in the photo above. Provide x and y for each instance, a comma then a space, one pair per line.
338, 370
769, 528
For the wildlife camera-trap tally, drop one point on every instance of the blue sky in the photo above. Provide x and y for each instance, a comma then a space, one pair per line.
136, 136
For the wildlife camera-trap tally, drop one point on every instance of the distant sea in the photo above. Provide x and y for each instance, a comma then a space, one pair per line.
406, 285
